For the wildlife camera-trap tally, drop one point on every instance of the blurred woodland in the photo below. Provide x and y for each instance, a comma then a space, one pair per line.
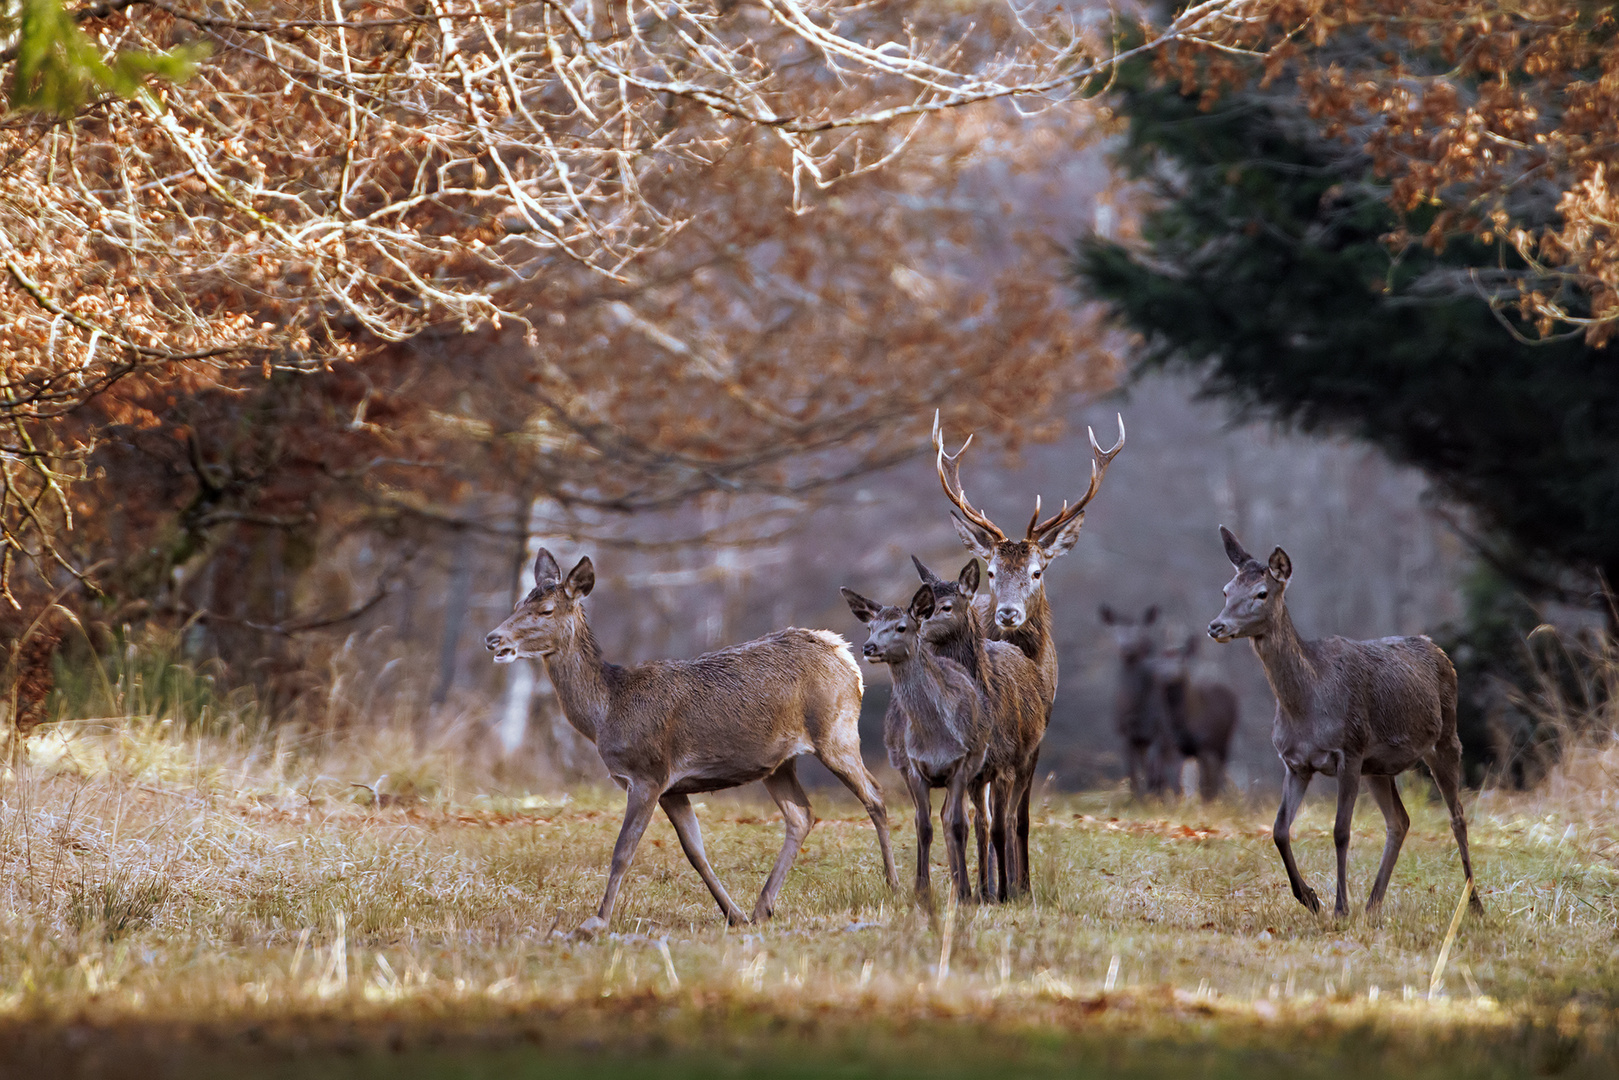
317, 318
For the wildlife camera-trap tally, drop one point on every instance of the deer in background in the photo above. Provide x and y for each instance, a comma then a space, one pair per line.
1356, 710
1199, 719
1138, 706
945, 730
1018, 610
1011, 685
670, 729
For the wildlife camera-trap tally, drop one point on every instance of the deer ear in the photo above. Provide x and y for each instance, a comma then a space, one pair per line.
546, 570
968, 579
1281, 567
1109, 616
977, 540
922, 603
1149, 616
1063, 541
864, 610
922, 570
1234, 550
581, 579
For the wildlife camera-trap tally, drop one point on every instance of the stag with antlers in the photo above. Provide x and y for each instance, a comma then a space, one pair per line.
1018, 611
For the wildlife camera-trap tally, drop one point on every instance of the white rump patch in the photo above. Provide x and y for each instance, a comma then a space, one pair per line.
840, 646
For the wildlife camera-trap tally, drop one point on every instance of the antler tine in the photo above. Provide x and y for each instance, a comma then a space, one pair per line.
1100, 460
949, 469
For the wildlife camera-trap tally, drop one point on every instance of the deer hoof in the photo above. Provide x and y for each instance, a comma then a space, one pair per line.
1310, 900
589, 929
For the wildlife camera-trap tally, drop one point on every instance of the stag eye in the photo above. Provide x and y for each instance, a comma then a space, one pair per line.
1035, 574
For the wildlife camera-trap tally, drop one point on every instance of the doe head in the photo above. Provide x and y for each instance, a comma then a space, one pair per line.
894, 631
1253, 598
952, 602
1136, 639
1173, 664
548, 616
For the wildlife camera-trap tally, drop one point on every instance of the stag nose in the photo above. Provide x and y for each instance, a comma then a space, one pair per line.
1008, 616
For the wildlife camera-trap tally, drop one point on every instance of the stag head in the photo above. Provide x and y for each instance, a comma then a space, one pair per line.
545, 618
1015, 569
1253, 598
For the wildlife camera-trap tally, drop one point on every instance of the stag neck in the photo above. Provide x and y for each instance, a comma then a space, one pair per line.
1035, 641
1286, 660
583, 681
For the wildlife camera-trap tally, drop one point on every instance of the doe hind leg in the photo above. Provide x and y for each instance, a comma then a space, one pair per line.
789, 794
1445, 763
843, 759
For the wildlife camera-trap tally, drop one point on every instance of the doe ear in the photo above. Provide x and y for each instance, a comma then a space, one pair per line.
968, 579
1281, 567
922, 603
922, 570
1149, 616
1109, 616
1234, 550
546, 570
581, 579
977, 540
864, 610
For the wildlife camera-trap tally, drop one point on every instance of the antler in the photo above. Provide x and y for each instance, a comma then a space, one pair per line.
949, 466
1100, 459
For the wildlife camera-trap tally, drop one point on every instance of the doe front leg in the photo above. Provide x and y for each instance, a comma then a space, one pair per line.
638, 809
1342, 828
922, 798
1293, 788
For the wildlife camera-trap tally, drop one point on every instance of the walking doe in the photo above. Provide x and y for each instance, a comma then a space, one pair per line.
1356, 710
670, 729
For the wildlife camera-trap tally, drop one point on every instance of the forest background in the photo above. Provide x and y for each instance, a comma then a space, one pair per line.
319, 318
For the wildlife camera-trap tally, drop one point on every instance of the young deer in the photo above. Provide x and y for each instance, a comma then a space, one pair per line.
946, 725
1356, 710
669, 729
1018, 610
1199, 719
1138, 706
1011, 685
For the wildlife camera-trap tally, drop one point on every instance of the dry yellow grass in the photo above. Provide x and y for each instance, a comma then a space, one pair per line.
212, 898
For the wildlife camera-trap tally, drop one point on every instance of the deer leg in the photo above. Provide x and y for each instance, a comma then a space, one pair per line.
1023, 823
1293, 788
1133, 760
845, 763
1210, 775
980, 795
922, 799
954, 817
1343, 827
789, 794
1000, 836
1445, 763
638, 809
1398, 822
684, 819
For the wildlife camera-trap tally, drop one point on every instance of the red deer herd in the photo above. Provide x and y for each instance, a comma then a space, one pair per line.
974, 669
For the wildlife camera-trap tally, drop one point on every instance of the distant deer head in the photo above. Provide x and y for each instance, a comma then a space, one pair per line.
1253, 598
894, 631
1136, 639
548, 617
1016, 567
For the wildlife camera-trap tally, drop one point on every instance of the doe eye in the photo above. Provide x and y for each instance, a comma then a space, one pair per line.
1262, 593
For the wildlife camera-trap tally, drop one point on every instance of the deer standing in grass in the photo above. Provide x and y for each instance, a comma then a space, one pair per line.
1138, 707
1356, 710
946, 726
1199, 719
1017, 713
1018, 611
670, 729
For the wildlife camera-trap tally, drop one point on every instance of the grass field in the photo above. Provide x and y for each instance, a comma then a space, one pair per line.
175, 904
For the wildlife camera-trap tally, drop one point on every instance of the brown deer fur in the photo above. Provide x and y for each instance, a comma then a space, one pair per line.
1199, 719
946, 725
1356, 710
1138, 707
1012, 687
1019, 613
669, 729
